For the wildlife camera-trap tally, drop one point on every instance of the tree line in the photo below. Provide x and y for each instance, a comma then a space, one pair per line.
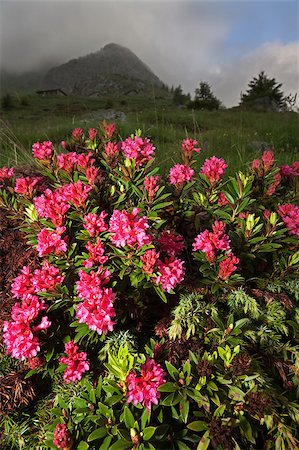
263, 93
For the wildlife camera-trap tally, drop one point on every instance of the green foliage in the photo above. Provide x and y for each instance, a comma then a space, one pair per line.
204, 98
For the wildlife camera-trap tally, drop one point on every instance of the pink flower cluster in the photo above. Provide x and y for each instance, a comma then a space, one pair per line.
6, 174
76, 193
26, 185
180, 174
96, 254
52, 205
42, 150
171, 242
96, 310
171, 273
151, 185
77, 134
144, 389
76, 362
68, 161
222, 200
94, 223
108, 129
189, 146
128, 229
92, 134
149, 260
274, 185
263, 166
51, 242
138, 149
290, 171
111, 149
214, 169
210, 242
290, 217
62, 437
228, 266
19, 335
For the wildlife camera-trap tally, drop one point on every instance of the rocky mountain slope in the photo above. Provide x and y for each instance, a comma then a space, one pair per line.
112, 70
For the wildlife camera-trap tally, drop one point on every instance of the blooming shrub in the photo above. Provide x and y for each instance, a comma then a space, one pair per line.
162, 311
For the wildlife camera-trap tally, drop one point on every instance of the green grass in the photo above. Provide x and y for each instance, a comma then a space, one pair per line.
238, 136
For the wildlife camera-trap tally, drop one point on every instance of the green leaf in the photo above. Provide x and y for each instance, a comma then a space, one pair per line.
198, 425
204, 442
168, 387
121, 444
82, 445
182, 446
97, 434
106, 443
128, 418
173, 372
148, 433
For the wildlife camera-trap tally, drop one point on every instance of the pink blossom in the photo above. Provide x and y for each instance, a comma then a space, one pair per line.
151, 185
92, 134
94, 223
111, 149
144, 389
22, 284
77, 134
255, 165
85, 160
274, 185
50, 242
26, 186
171, 273
290, 217
62, 437
97, 311
67, 161
28, 310
109, 129
189, 146
52, 205
91, 283
227, 266
77, 193
214, 169
92, 174
76, 363
290, 171
138, 149
42, 150
268, 160
222, 200
96, 254
171, 242
180, 174
46, 278
6, 174
20, 340
149, 260
63, 144
128, 229
210, 242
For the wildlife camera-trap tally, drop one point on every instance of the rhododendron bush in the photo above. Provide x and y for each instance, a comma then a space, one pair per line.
170, 302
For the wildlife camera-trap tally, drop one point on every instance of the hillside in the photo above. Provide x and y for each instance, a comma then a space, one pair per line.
112, 70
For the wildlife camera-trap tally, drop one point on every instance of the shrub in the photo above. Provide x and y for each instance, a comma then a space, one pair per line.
160, 314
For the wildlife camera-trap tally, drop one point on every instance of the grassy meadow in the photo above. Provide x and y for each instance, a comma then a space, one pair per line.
238, 136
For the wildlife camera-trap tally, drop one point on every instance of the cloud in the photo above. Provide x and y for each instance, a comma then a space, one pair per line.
278, 60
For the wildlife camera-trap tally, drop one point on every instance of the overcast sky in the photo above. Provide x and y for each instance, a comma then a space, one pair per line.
223, 42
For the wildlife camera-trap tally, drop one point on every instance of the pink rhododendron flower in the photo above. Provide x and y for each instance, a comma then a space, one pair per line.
77, 134
76, 363
111, 149
85, 160
22, 284
92, 174
62, 437
227, 266
28, 310
50, 242
222, 200
108, 129
138, 149
144, 389
274, 185
180, 174
52, 205
210, 242
26, 185
63, 144
6, 174
290, 217
171, 242
20, 341
94, 223
77, 193
67, 161
256, 164
128, 229
268, 160
214, 169
42, 150
189, 146
46, 278
92, 134
290, 171
151, 185
149, 260
96, 254
171, 273
90, 283
97, 312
